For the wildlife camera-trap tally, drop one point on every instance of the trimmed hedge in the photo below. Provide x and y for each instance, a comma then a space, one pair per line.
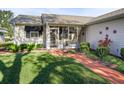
23, 46
84, 46
5, 45
13, 47
30, 47
72, 51
122, 52
39, 46
102, 51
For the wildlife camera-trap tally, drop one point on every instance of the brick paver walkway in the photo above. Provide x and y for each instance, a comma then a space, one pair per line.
110, 74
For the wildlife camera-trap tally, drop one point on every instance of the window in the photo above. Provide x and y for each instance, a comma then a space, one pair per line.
34, 34
33, 31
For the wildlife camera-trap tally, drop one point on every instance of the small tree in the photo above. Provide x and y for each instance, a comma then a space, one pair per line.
103, 48
5, 17
105, 43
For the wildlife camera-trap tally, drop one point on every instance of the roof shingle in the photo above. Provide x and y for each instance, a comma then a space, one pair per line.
27, 20
65, 19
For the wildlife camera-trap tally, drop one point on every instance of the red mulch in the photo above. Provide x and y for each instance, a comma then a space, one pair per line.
4, 52
113, 76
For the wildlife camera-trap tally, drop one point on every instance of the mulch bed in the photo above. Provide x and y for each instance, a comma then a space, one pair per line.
3, 52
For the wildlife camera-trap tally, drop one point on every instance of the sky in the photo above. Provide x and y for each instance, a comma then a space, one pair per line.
66, 11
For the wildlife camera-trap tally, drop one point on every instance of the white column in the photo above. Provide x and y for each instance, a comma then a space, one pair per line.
77, 32
58, 43
47, 37
14, 33
77, 44
68, 32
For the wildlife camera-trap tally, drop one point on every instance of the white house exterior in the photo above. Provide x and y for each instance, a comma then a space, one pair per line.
58, 31
97, 32
111, 24
51, 30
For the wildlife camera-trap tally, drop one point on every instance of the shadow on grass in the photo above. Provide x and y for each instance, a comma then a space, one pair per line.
11, 74
51, 70
65, 71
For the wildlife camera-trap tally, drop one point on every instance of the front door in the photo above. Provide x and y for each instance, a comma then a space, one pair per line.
54, 37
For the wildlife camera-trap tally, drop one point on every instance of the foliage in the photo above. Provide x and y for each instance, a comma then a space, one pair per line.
44, 68
30, 47
72, 51
102, 51
23, 46
5, 17
39, 46
122, 52
109, 59
84, 46
1, 33
92, 54
0, 44
14, 47
105, 43
6, 45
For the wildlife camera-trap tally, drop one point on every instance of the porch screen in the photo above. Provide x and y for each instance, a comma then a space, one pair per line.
72, 35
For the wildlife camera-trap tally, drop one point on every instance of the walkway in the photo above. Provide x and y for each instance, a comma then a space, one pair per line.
110, 74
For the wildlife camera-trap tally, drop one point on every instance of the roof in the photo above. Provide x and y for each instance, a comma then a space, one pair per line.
65, 19
108, 16
27, 20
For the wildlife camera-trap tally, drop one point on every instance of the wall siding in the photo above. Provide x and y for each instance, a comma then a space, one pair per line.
93, 36
20, 36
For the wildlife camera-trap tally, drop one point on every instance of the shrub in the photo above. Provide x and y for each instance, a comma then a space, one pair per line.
5, 45
13, 47
102, 51
30, 47
105, 43
23, 46
39, 46
84, 46
72, 51
0, 45
122, 52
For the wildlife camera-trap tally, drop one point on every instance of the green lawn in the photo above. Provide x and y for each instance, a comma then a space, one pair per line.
43, 68
109, 59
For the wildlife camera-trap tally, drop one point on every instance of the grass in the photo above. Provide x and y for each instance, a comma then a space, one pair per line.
43, 68
109, 59
114, 60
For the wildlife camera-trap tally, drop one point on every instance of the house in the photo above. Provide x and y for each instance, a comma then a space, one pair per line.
51, 30
2, 35
111, 24
66, 31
